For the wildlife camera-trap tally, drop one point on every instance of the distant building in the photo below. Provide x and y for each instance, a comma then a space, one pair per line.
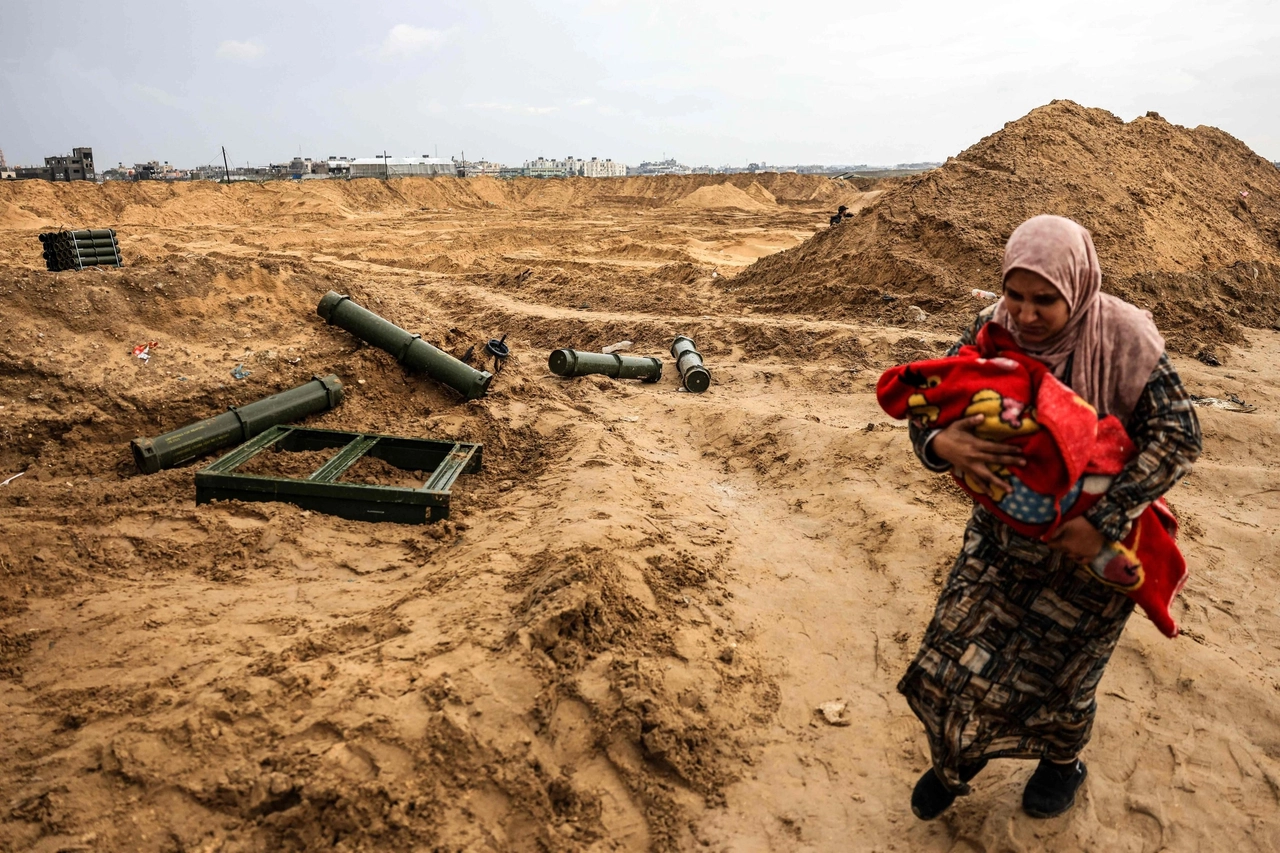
150, 171
400, 167
155, 170
572, 167
77, 166
662, 167
207, 172
544, 168
595, 168
477, 168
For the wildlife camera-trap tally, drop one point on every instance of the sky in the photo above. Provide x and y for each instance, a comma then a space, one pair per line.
703, 81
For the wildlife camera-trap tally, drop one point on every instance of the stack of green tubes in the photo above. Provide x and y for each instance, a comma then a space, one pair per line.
75, 250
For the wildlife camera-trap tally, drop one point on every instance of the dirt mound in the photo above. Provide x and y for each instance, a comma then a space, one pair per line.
761, 194
1186, 222
36, 205
722, 196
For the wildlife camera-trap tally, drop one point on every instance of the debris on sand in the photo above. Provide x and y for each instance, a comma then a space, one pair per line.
835, 713
1232, 403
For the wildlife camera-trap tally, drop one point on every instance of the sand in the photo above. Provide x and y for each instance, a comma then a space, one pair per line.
620, 638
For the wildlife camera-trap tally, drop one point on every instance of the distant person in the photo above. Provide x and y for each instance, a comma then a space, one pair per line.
1010, 663
842, 213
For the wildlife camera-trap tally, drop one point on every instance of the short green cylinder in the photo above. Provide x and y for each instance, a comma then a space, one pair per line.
693, 373
570, 362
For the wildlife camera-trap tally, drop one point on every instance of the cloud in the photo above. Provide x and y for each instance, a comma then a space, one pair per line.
583, 102
406, 40
160, 96
494, 106
240, 51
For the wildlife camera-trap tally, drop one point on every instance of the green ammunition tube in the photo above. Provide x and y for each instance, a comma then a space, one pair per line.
86, 252
693, 374
410, 350
91, 234
569, 362
238, 425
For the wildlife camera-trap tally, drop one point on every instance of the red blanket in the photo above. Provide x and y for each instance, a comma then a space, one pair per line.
1072, 457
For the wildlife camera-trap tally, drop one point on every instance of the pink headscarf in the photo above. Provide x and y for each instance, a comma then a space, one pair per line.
1116, 345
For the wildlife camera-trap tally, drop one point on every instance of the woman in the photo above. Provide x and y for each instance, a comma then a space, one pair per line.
1022, 632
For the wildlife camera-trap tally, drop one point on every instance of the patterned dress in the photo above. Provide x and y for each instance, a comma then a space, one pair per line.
1011, 661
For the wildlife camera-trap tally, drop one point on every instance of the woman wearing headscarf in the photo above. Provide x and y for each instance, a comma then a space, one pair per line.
1022, 632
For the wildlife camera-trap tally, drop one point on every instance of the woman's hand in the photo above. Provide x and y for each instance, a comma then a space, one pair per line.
975, 456
1078, 539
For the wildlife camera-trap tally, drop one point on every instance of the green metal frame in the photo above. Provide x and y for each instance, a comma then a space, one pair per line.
319, 491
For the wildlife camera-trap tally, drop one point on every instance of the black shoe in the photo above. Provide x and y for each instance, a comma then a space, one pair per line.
1051, 790
931, 798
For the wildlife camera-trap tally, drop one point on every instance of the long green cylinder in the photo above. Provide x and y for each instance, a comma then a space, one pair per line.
102, 243
693, 374
410, 350
78, 236
83, 252
570, 362
238, 425
86, 252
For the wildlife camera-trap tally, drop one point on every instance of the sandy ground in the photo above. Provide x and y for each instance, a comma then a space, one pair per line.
620, 638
